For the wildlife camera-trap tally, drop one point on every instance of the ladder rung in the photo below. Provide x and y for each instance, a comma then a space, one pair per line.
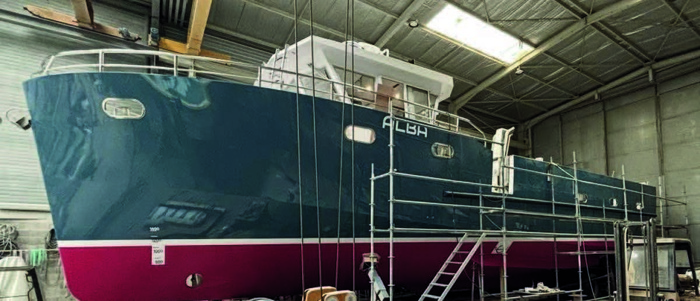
455, 262
446, 273
439, 284
462, 252
431, 296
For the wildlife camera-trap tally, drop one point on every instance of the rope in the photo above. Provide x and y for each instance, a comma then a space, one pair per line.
588, 271
352, 148
342, 144
301, 194
313, 105
8, 234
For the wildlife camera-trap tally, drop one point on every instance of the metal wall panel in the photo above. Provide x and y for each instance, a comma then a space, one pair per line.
583, 133
631, 138
26, 43
680, 113
546, 141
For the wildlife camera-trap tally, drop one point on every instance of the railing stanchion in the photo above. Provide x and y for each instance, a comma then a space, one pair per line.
175, 64
100, 60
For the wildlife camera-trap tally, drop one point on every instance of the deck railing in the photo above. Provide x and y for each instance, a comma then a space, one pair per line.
428, 115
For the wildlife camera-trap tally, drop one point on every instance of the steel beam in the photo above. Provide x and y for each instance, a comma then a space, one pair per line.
241, 36
575, 68
198, 22
557, 66
154, 24
682, 17
401, 21
608, 11
622, 80
549, 83
486, 112
291, 16
611, 35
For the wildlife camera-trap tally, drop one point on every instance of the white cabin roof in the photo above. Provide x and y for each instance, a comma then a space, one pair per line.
371, 63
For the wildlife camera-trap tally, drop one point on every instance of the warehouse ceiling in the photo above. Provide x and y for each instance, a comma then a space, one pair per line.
584, 49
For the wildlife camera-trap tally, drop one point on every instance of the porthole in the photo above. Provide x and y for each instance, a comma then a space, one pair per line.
360, 134
194, 280
123, 108
442, 150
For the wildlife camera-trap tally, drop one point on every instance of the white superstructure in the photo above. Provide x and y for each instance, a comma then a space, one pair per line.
414, 90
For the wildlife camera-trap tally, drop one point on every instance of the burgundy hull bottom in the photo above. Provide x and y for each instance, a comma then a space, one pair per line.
255, 270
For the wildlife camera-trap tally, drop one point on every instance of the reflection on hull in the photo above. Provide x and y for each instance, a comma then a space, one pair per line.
212, 166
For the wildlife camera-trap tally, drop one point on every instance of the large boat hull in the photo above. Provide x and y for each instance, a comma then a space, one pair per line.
228, 179
101, 270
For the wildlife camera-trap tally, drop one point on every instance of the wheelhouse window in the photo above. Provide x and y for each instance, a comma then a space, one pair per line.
359, 85
420, 104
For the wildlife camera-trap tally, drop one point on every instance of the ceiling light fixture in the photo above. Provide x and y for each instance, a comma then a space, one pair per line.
413, 23
519, 71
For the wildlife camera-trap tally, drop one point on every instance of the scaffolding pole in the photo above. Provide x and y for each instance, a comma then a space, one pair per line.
502, 233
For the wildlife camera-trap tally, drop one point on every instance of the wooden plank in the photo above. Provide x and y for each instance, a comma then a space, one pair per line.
84, 13
178, 47
70, 20
198, 22
173, 46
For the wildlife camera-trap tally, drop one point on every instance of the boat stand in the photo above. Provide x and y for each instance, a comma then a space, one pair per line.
31, 272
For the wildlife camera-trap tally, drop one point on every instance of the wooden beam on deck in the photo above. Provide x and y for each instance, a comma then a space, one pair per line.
84, 13
198, 22
71, 20
178, 47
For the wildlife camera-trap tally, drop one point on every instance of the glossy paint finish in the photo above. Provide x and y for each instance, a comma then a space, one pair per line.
275, 269
220, 162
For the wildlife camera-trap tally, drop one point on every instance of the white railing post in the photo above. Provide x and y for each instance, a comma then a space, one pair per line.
175, 64
100, 60
48, 64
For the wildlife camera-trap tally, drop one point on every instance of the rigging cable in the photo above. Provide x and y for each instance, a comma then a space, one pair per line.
342, 142
352, 144
301, 197
313, 105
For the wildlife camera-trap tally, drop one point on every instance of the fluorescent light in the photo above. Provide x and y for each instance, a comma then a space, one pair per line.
479, 35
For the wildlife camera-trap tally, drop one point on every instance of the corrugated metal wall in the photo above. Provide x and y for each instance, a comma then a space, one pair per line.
24, 43
624, 131
24, 46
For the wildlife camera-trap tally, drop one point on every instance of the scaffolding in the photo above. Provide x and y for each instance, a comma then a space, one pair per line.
665, 207
503, 233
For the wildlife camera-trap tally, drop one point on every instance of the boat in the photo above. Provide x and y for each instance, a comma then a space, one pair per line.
171, 182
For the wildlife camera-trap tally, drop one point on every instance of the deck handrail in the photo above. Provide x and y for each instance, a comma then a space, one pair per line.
452, 124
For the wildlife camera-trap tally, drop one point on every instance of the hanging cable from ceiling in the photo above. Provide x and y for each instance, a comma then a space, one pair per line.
352, 144
299, 175
313, 112
342, 141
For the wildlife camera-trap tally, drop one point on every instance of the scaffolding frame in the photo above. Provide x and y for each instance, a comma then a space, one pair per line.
503, 233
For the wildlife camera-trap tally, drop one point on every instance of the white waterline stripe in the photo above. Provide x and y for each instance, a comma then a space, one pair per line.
284, 241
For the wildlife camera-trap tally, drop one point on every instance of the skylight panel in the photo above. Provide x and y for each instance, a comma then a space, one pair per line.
479, 35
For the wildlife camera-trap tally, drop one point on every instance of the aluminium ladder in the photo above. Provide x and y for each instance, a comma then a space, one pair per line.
443, 271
